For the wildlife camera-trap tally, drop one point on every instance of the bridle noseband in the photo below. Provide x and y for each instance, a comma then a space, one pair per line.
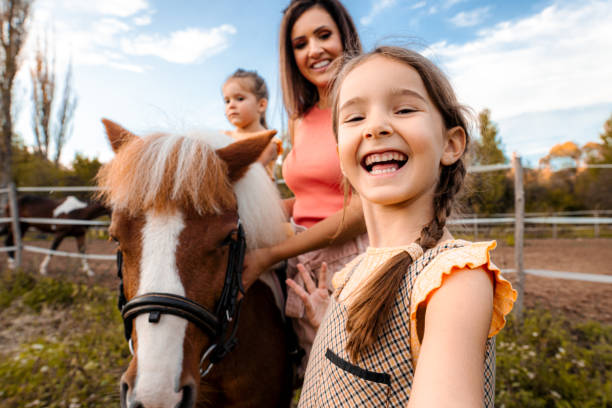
214, 325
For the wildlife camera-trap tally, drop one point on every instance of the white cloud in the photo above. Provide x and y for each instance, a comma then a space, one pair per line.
142, 20
377, 8
121, 8
470, 18
118, 8
557, 59
184, 46
450, 3
418, 5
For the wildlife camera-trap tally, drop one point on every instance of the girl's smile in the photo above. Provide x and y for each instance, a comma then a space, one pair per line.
384, 162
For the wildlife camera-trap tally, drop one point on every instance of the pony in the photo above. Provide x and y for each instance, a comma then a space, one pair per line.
31, 206
177, 200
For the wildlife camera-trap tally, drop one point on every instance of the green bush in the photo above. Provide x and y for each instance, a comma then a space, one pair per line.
13, 284
50, 292
550, 362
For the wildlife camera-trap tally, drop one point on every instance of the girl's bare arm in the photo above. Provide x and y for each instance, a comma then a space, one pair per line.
449, 371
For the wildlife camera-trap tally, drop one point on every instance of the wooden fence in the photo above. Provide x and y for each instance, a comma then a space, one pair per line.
518, 219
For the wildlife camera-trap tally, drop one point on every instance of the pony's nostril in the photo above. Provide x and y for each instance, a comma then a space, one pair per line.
188, 400
124, 390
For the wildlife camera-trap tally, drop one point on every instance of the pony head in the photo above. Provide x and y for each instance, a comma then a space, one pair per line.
175, 200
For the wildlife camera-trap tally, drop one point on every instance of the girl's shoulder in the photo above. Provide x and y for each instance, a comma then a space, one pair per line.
450, 257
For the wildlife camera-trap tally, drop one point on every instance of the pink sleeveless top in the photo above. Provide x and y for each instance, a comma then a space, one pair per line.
312, 169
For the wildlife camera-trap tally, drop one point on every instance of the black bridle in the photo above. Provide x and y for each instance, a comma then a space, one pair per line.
216, 325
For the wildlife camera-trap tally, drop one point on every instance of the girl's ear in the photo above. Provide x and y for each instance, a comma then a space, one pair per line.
454, 145
262, 105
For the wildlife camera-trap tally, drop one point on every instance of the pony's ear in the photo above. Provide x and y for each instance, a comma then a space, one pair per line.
239, 155
117, 135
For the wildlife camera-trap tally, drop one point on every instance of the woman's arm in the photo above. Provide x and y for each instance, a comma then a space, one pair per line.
288, 204
332, 230
449, 370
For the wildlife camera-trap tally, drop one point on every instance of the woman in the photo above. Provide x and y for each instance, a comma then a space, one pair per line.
313, 34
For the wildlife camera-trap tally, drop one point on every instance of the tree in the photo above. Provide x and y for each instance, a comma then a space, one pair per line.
487, 149
43, 97
563, 153
14, 16
594, 184
488, 192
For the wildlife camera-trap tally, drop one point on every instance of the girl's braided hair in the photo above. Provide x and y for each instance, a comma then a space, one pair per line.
370, 309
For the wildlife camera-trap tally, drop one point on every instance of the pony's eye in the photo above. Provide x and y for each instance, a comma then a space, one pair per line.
113, 238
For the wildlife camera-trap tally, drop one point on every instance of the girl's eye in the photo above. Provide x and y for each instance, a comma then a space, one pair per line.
240, 98
353, 118
226, 101
299, 45
404, 111
325, 35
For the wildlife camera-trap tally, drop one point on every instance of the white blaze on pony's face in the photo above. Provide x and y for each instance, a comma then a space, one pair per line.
160, 351
175, 199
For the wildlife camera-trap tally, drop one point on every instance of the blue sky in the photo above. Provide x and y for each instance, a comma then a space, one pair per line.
543, 68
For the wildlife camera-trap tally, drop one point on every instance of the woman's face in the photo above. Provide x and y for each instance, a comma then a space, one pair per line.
316, 43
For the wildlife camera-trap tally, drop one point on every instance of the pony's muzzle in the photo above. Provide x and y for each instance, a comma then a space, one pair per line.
188, 397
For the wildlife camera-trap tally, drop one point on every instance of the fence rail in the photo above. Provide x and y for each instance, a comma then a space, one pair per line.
61, 221
519, 219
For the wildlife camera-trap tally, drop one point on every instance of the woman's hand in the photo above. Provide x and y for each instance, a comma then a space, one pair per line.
256, 262
315, 297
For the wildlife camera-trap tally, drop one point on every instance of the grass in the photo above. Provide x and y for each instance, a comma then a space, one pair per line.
545, 361
77, 365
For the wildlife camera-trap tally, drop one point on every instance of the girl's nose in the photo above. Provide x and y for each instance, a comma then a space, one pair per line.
379, 129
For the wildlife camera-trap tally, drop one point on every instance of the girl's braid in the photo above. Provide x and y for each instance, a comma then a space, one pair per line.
449, 185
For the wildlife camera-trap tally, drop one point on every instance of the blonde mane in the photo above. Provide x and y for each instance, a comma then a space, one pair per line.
164, 172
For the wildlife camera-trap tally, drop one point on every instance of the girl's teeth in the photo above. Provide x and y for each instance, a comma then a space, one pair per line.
321, 64
383, 171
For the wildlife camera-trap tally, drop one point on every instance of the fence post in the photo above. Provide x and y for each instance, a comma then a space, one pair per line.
15, 224
554, 226
596, 225
519, 208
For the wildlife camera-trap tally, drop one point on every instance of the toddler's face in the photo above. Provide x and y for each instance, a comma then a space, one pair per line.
241, 105
391, 137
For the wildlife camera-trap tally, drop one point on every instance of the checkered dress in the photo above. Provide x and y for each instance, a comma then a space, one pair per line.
383, 376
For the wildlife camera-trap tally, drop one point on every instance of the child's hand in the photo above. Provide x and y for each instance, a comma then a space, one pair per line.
316, 299
269, 154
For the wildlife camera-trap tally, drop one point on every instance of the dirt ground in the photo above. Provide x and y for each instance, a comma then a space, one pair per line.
577, 299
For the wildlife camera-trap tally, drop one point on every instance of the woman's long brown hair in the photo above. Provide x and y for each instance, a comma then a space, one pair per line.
371, 307
299, 95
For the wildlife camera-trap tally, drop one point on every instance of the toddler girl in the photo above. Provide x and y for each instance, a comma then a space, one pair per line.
246, 98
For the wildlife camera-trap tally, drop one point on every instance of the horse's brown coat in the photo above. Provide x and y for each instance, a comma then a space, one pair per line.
257, 372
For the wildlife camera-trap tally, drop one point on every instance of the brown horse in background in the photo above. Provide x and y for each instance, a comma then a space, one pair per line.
179, 202
31, 206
